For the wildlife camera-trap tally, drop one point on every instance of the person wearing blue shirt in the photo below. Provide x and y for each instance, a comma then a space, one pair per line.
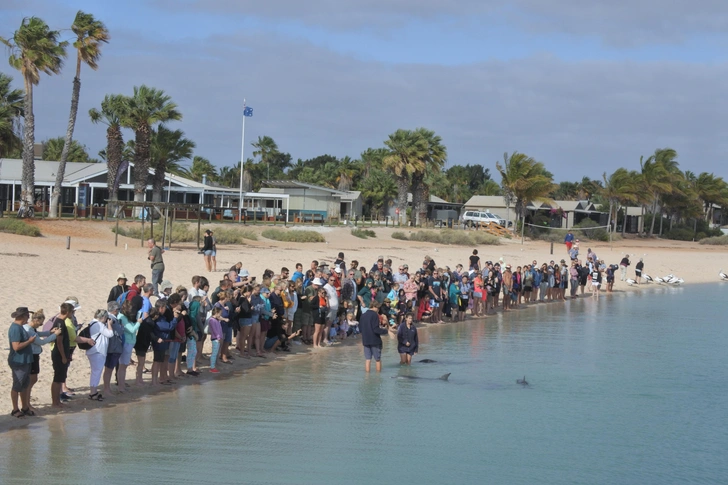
20, 360
298, 274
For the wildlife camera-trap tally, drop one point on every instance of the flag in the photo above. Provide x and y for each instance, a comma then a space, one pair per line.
248, 111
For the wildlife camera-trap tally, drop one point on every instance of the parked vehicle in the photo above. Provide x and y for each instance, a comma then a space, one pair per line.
473, 218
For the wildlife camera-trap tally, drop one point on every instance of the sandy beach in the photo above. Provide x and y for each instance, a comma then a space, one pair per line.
42, 273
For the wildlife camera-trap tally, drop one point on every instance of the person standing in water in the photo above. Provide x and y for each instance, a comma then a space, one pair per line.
371, 336
407, 340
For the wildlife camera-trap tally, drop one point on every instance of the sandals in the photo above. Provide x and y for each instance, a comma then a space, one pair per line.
96, 397
17, 413
27, 412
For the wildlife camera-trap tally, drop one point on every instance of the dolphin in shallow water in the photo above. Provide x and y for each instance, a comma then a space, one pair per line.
441, 378
427, 361
522, 382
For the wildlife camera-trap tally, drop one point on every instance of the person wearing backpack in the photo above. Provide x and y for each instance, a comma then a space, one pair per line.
101, 331
119, 289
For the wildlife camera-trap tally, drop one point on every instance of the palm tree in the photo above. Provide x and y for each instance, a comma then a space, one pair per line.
266, 149
658, 174
168, 148
53, 148
11, 110
112, 108
90, 34
35, 49
347, 169
405, 158
619, 188
432, 163
201, 167
147, 107
525, 180
709, 189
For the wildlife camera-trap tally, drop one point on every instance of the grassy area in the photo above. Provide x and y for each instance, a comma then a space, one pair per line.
363, 233
458, 238
715, 241
288, 235
188, 233
19, 227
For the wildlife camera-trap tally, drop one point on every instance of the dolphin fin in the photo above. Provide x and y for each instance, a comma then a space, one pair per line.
445, 376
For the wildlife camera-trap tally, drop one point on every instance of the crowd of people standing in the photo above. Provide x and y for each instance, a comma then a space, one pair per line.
245, 318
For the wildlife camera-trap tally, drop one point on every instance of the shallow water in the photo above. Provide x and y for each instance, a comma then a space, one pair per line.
629, 389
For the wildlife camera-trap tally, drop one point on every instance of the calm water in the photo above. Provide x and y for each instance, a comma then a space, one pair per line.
630, 389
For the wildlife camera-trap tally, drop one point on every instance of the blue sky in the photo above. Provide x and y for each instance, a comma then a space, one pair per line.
585, 87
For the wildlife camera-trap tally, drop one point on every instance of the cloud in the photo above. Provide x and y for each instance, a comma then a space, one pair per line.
579, 118
615, 22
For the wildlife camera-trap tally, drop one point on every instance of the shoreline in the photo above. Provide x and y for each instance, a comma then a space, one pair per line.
148, 395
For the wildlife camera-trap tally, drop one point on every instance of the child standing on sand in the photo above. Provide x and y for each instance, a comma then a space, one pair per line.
351, 323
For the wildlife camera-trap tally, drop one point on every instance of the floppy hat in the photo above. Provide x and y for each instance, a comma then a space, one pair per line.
244, 273
166, 284
338, 270
121, 276
319, 281
20, 311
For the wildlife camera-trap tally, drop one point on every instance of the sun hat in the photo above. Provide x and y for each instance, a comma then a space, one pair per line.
20, 311
338, 270
121, 276
244, 273
166, 284
265, 289
319, 282
73, 301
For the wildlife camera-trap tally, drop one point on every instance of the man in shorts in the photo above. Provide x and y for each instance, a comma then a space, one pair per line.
371, 332
20, 360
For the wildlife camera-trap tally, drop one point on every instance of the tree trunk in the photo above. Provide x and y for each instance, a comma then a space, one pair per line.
27, 186
612, 222
141, 163
114, 150
624, 222
402, 187
417, 195
247, 181
61, 172
661, 218
158, 180
654, 211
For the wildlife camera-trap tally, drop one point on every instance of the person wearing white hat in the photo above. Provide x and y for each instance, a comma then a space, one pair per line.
119, 289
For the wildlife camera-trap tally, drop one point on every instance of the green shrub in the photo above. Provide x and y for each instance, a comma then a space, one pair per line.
458, 238
363, 233
19, 227
289, 235
715, 240
680, 234
589, 229
188, 233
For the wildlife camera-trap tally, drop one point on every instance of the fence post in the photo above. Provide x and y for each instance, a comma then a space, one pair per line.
144, 218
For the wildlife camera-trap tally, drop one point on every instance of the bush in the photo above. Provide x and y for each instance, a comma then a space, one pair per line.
715, 240
188, 233
590, 230
680, 234
458, 238
288, 235
363, 233
19, 227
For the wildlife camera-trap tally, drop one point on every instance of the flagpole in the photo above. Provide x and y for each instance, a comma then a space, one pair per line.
242, 160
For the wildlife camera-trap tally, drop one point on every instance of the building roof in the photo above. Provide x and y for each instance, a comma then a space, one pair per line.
351, 195
45, 170
486, 201
433, 200
295, 184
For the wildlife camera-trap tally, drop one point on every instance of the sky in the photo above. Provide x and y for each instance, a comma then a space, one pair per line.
584, 87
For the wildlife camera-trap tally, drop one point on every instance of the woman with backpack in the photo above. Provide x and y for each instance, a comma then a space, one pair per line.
101, 331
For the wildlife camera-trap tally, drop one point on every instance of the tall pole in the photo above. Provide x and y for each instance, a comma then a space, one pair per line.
242, 159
